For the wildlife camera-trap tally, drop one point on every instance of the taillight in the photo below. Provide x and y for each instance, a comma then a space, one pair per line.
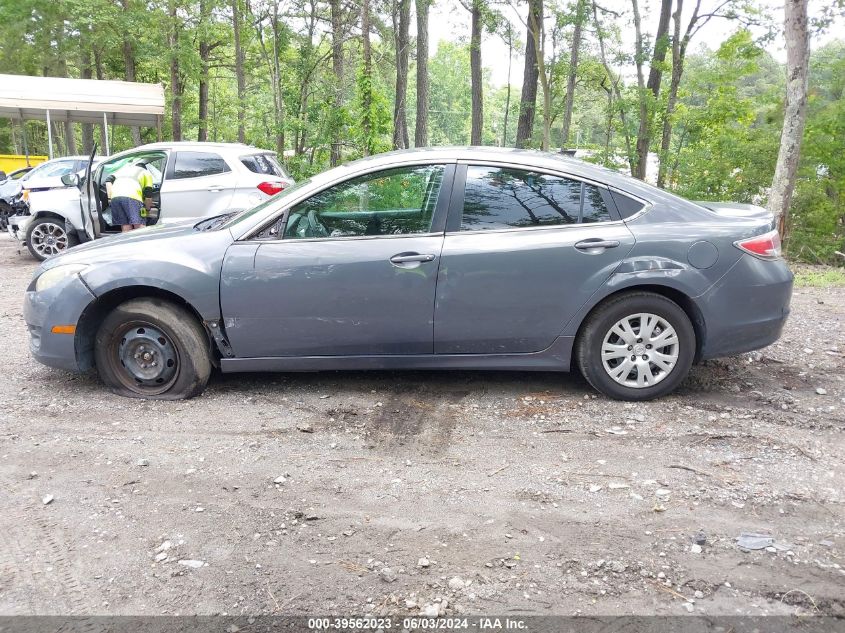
271, 188
766, 246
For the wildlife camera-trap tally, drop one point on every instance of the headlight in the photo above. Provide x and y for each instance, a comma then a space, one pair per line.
51, 277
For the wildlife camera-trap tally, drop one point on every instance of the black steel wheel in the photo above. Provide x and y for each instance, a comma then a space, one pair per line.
149, 348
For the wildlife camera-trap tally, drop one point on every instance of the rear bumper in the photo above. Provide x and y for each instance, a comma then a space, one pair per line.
61, 305
747, 308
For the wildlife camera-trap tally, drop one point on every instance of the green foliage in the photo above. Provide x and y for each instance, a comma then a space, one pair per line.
820, 277
726, 123
817, 217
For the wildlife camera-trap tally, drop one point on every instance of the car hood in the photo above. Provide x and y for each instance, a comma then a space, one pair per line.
154, 242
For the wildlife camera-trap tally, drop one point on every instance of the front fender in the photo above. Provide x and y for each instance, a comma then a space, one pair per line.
197, 285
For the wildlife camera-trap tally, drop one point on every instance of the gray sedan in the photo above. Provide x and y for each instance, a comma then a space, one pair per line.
445, 258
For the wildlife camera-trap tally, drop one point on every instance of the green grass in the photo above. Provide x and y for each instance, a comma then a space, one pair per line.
819, 277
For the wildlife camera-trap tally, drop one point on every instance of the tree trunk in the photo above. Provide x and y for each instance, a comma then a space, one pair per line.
545, 82
205, 53
648, 97
98, 68
337, 69
239, 70
530, 75
175, 76
674, 84
679, 49
573, 71
421, 127
508, 90
616, 92
277, 87
366, 81
797, 63
130, 67
475, 75
400, 123
86, 72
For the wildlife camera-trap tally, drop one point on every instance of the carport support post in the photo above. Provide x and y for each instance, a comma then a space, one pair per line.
25, 145
106, 132
49, 136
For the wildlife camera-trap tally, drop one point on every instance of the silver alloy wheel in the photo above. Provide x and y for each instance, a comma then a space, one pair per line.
48, 239
640, 350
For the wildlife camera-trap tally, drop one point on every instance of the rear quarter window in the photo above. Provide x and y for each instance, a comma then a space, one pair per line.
626, 205
263, 164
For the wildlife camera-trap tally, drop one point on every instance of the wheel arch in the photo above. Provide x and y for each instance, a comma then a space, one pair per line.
684, 301
96, 311
48, 214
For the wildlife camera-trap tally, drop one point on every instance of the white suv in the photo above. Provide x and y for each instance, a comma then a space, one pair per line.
191, 181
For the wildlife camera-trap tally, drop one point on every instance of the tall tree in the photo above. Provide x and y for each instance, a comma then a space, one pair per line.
337, 70
475, 73
421, 125
129, 62
574, 53
271, 55
240, 77
366, 82
610, 83
797, 37
205, 48
401, 20
508, 35
650, 91
176, 83
530, 76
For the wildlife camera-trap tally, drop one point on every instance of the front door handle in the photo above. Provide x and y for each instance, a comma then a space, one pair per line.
592, 244
404, 258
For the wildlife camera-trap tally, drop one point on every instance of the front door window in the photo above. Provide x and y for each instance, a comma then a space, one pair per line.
398, 201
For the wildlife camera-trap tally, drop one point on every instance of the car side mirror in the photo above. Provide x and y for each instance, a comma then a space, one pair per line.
71, 180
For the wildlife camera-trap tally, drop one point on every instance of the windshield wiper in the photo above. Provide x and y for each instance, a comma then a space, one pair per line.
213, 223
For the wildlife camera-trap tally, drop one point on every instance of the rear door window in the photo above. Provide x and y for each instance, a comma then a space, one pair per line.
502, 197
197, 164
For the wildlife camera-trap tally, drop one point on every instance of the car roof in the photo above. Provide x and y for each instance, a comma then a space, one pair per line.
200, 145
525, 158
60, 158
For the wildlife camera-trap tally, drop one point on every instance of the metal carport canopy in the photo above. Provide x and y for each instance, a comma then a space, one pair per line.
82, 100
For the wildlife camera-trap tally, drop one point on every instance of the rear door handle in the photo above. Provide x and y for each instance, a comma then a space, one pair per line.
404, 258
215, 188
588, 245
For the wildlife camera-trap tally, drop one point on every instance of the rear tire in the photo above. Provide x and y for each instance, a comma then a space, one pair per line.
637, 346
47, 237
150, 348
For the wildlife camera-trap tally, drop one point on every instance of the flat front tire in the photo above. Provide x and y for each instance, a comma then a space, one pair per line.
637, 346
151, 348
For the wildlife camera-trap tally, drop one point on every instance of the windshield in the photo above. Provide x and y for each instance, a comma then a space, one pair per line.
274, 201
58, 168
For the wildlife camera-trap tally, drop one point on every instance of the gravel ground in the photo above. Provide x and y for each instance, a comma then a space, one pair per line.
455, 493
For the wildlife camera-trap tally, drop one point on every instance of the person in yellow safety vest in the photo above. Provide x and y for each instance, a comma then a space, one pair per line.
127, 196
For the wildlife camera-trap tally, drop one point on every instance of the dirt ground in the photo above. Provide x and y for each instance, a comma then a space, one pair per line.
451, 493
